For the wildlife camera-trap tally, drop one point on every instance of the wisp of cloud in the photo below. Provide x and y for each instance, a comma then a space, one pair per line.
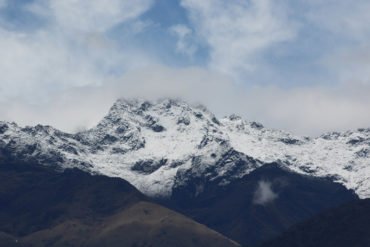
264, 193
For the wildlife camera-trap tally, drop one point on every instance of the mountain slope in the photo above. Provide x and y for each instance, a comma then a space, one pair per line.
152, 144
346, 225
40, 207
258, 206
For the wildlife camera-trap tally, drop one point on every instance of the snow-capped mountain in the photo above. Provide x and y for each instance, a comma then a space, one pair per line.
158, 145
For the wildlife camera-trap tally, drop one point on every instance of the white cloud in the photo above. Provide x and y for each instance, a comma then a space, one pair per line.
264, 193
90, 15
86, 105
350, 64
184, 43
309, 111
33, 66
304, 111
41, 67
347, 24
239, 31
71, 52
68, 72
348, 18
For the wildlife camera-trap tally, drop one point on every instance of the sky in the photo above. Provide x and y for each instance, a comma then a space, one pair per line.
297, 65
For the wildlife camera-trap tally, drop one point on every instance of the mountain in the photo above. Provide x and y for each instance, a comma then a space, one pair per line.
258, 206
346, 225
160, 145
42, 207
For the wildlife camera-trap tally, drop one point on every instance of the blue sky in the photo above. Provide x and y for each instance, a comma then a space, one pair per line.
303, 66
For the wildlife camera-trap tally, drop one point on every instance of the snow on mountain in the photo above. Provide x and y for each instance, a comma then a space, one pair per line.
345, 157
158, 145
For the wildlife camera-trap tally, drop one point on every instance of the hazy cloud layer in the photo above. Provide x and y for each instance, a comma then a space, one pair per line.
325, 109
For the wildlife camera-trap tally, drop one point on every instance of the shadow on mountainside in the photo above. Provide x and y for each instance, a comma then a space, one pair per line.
40, 207
259, 206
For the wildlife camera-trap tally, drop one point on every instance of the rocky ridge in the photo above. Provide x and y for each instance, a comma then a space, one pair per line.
158, 145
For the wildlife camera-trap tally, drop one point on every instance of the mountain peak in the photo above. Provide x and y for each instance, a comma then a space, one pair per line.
156, 144
139, 106
159, 115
